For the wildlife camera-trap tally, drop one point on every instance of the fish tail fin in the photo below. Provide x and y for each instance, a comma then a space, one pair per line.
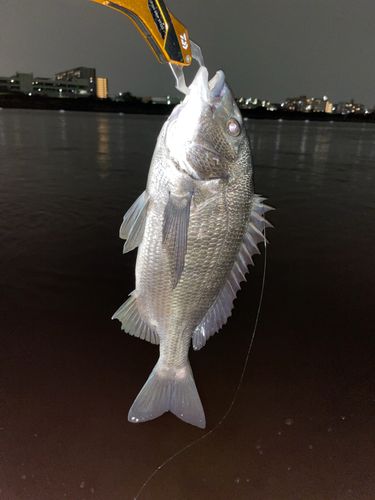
169, 389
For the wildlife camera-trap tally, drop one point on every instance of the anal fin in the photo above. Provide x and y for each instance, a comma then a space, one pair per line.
133, 323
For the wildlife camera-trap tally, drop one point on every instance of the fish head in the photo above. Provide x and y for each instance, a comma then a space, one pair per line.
205, 134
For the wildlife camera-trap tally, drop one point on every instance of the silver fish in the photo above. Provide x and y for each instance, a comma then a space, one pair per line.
196, 227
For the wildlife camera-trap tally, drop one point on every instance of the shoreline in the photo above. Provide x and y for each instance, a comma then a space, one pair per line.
109, 106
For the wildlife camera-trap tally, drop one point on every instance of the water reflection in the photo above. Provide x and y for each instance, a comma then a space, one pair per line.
103, 145
314, 154
277, 143
14, 133
2, 130
322, 143
303, 143
63, 129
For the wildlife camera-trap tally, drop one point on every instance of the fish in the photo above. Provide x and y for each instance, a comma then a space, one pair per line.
197, 226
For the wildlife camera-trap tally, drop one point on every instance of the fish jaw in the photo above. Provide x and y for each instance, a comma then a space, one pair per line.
198, 133
185, 120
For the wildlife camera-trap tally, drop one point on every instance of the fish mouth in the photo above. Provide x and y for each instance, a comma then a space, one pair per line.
203, 89
216, 86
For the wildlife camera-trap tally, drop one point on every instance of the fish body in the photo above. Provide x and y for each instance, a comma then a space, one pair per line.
196, 227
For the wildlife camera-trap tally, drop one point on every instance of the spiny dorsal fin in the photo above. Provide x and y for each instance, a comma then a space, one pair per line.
133, 323
221, 309
133, 225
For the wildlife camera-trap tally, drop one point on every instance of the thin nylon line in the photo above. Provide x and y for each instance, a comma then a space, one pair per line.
218, 424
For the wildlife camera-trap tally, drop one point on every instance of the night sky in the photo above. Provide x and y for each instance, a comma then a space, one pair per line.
271, 49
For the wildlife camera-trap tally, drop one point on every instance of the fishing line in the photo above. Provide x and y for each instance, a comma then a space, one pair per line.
229, 409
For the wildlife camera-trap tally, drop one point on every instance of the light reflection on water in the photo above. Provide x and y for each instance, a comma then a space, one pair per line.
103, 142
314, 148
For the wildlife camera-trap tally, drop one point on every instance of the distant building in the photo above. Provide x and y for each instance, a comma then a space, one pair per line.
165, 100
345, 108
129, 97
51, 87
273, 106
294, 103
20, 82
255, 102
329, 107
76, 82
80, 73
306, 104
102, 87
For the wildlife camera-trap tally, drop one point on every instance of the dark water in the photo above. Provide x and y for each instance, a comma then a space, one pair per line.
303, 426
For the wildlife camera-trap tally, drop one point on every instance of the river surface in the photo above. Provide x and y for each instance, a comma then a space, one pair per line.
302, 427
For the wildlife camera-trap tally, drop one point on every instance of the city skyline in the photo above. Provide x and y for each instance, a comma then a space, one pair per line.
268, 49
57, 87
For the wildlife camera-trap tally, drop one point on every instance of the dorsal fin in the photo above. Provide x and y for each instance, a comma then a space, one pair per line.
221, 309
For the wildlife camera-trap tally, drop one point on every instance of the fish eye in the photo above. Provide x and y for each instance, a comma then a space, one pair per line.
233, 127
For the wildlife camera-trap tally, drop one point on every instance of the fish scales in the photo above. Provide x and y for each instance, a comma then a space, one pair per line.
209, 258
191, 228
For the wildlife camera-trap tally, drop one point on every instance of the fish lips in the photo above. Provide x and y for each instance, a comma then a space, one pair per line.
187, 132
209, 91
217, 85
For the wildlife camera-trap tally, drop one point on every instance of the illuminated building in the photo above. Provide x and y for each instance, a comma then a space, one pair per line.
345, 108
102, 88
329, 107
306, 104
51, 87
165, 100
76, 82
20, 82
255, 102
80, 73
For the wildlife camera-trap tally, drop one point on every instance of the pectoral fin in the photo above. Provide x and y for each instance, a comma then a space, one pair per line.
175, 232
133, 225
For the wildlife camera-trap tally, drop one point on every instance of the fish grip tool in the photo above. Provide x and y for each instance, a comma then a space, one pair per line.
167, 37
